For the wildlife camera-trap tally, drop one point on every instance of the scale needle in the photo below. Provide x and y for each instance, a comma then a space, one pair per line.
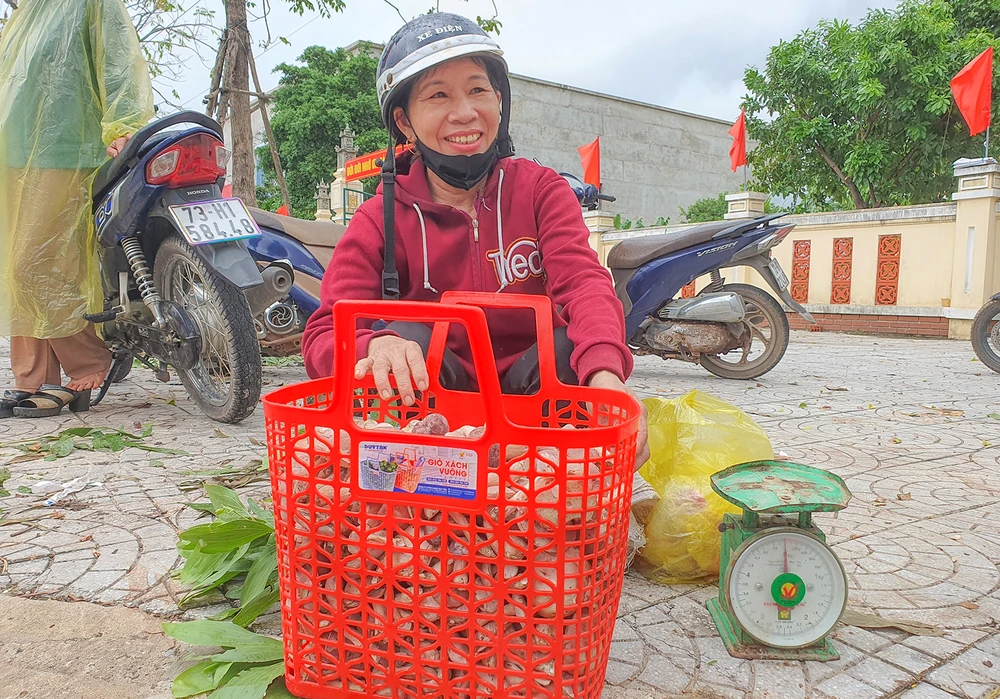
786, 556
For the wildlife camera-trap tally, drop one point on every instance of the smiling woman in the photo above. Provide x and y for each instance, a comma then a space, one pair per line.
461, 214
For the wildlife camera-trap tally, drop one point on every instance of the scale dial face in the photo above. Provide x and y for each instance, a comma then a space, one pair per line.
787, 589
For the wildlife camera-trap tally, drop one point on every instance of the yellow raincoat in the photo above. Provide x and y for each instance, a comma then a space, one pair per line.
72, 80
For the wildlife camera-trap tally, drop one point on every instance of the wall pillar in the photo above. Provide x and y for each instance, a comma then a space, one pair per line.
745, 205
345, 151
976, 260
322, 197
599, 223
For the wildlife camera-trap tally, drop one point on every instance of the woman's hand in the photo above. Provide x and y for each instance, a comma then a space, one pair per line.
403, 358
116, 146
608, 379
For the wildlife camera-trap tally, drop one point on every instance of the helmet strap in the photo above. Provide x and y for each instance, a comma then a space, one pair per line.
390, 275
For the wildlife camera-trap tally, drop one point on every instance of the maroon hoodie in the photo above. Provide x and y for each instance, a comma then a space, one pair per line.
530, 238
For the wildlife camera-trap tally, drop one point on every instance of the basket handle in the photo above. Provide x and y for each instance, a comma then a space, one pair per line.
346, 314
541, 305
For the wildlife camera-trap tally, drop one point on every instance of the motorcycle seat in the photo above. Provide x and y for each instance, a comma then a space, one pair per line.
319, 237
635, 252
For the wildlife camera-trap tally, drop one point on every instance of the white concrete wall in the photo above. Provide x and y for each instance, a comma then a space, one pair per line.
653, 159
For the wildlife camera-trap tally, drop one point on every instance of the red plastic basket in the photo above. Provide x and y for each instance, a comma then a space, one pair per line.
500, 574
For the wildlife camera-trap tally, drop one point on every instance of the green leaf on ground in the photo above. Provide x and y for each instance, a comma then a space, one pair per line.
260, 572
198, 679
994, 416
24, 490
255, 607
255, 653
251, 683
219, 537
803, 405
203, 632
226, 499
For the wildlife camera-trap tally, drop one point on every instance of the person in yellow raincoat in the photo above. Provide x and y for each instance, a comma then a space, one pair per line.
73, 87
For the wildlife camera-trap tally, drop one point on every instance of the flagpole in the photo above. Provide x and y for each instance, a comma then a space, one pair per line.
986, 145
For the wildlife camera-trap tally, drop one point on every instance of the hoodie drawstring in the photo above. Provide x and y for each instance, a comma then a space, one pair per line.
503, 257
423, 238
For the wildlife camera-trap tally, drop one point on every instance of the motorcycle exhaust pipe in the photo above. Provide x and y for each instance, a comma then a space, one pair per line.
278, 280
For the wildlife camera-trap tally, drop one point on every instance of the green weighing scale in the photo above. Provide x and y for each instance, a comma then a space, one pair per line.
782, 588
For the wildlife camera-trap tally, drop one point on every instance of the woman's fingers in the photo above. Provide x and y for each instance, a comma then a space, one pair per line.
403, 359
418, 367
362, 368
401, 370
381, 364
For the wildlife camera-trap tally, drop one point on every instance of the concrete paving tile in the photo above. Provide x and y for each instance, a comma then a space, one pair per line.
886, 677
774, 679
843, 686
663, 673
907, 658
925, 690
862, 639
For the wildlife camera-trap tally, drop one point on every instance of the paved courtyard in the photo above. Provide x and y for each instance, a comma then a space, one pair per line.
905, 421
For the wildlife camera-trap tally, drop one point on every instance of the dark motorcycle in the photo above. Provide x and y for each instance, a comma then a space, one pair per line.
180, 286
736, 331
986, 333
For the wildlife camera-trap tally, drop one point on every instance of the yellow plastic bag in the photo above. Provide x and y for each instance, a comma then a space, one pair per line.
690, 438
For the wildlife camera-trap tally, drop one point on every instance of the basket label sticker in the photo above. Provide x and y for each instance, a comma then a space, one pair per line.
415, 468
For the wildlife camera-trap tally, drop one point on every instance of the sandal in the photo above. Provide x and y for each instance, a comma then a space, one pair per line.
50, 399
9, 400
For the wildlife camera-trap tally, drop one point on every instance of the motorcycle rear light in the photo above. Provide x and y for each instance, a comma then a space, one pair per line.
192, 160
221, 157
162, 166
781, 233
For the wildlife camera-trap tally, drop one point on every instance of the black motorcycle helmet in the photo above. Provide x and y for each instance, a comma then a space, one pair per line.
430, 40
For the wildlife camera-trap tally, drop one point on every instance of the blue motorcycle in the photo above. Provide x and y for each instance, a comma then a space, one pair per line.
180, 286
308, 247
736, 331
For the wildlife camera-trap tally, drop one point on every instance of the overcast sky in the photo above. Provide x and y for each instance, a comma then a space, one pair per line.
682, 54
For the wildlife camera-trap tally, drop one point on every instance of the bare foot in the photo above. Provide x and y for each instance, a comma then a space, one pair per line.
91, 381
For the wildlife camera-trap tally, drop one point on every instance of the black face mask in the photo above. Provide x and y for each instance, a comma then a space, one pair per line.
462, 171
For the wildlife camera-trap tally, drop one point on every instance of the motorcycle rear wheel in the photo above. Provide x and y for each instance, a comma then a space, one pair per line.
986, 335
768, 325
226, 381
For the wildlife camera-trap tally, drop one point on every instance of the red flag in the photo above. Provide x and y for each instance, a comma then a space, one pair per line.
738, 151
973, 88
590, 156
283, 210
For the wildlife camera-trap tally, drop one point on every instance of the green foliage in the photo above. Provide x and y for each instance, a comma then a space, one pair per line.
310, 108
707, 209
60, 445
237, 549
239, 546
248, 665
862, 116
626, 224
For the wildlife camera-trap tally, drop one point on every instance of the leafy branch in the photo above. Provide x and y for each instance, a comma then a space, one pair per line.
236, 550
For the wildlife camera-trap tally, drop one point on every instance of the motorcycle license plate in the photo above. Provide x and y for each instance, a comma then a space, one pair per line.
779, 274
218, 221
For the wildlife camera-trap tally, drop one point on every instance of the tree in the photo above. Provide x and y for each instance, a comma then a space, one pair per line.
310, 108
860, 117
166, 29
